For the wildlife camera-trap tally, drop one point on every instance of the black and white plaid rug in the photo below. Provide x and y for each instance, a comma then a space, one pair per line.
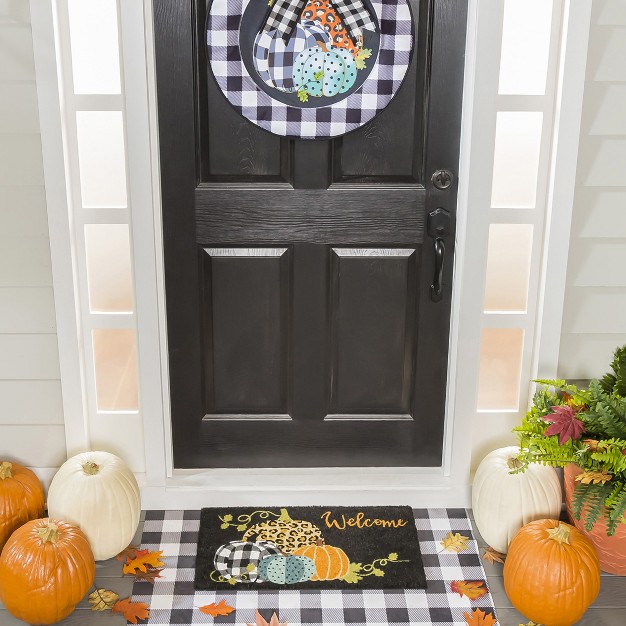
173, 599
386, 77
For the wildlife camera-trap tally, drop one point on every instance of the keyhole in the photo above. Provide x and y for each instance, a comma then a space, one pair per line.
442, 179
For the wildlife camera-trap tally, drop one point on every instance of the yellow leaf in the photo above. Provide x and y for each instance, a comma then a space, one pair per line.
140, 563
455, 542
102, 599
471, 589
590, 477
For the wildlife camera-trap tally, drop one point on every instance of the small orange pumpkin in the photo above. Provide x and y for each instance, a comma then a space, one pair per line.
46, 568
330, 562
551, 573
21, 498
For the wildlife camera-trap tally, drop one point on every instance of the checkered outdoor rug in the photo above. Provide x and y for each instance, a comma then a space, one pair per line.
173, 599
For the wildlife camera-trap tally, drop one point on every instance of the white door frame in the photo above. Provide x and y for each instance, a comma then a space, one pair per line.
164, 487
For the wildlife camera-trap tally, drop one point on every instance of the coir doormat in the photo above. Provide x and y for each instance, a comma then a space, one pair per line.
309, 548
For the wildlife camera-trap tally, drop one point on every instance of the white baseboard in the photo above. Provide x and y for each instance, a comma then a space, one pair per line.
45, 475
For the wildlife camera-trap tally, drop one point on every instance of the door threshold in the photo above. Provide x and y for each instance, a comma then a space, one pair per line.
414, 486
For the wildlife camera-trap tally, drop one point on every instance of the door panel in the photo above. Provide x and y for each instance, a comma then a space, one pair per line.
245, 324
301, 327
373, 313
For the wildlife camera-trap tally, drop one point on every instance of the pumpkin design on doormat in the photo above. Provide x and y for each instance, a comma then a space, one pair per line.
277, 548
309, 68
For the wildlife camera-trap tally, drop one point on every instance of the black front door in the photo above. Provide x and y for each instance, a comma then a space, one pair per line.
308, 282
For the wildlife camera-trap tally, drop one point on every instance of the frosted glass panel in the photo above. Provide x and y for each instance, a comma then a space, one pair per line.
115, 362
95, 50
516, 159
101, 158
525, 46
508, 267
500, 369
108, 268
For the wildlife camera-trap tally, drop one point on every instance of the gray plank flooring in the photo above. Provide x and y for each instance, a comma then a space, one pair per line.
608, 610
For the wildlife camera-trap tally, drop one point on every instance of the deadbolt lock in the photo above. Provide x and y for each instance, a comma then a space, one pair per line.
442, 179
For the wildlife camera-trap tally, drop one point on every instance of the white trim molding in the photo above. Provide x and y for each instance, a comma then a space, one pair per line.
567, 120
58, 199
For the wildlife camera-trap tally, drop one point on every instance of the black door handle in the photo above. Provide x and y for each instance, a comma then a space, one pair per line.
436, 289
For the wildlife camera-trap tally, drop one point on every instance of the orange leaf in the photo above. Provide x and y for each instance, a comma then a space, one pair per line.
132, 611
479, 618
152, 558
260, 621
471, 589
221, 608
130, 553
493, 556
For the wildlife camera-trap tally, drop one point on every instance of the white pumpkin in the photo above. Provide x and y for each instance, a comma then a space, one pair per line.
97, 492
503, 502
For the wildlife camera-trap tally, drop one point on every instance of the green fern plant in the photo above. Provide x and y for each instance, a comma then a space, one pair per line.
597, 445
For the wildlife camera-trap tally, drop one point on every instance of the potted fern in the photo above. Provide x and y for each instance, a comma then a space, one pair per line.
584, 431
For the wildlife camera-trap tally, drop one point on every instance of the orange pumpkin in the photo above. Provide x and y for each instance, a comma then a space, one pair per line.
21, 498
551, 573
46, 568
330, 562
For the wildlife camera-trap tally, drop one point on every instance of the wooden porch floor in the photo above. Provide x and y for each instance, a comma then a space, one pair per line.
608, 610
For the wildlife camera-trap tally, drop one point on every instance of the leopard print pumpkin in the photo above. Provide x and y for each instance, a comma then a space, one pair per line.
323, 12
286, 533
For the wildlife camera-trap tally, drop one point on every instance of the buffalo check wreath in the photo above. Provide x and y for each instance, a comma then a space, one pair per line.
174, 600
258, 76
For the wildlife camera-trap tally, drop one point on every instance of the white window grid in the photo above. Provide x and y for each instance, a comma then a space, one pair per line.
119, 431
528, 320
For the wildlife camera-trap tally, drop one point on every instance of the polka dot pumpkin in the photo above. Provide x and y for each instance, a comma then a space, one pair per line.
286, 570
324, 72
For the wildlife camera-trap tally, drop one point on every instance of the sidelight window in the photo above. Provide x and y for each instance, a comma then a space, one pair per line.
524, 97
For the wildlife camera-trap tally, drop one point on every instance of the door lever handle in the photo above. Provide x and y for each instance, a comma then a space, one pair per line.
438, 227
436, 289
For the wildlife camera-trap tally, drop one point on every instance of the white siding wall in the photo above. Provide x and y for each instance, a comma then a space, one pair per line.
594, 320
31, 412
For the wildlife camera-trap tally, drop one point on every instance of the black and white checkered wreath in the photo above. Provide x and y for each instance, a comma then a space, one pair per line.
309, 68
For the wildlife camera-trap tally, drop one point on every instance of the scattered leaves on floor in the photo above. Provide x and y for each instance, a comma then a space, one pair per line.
455, 542
130, 553
259, 621
493, 556
479, 618
471, 589
149, 575
221, 608
102, 599
132, 611
141, 563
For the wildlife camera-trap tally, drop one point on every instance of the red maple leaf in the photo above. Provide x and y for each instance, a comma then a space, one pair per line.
564, 423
